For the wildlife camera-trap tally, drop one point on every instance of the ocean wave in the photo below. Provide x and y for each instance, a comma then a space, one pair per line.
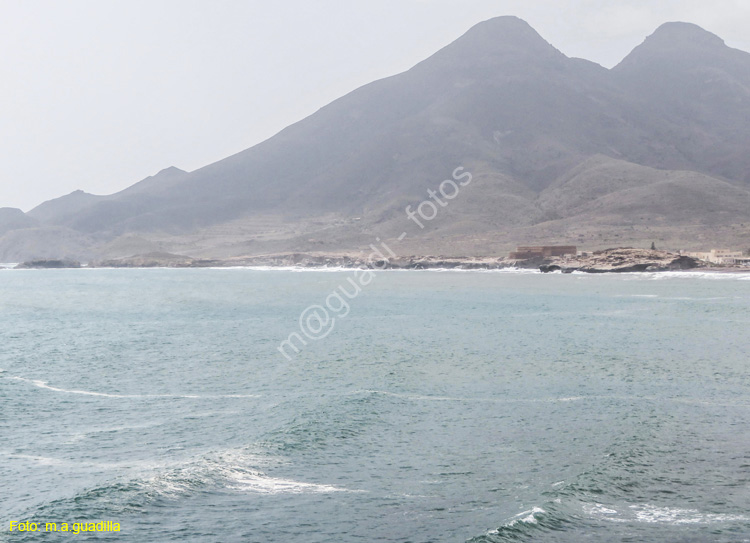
515, 271
652, 514
527, 517
420, 397
228, 471
65, 462
284, 268
224, 472
40, 460
44, 385
260, 483
599, 502
323, 269
529, 525
559, 399
582, 517
694, 274
679, 298
734, 275
333, 269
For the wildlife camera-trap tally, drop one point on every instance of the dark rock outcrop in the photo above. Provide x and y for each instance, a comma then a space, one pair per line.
49, 264
156, 260
622, 260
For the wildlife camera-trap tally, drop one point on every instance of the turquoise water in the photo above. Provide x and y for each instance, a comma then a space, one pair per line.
445, 407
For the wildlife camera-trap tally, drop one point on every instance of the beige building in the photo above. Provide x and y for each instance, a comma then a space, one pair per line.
721, 256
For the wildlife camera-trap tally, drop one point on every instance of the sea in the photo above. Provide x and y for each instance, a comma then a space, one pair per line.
423, 406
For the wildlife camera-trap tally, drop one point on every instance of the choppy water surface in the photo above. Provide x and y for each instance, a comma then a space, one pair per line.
444, 407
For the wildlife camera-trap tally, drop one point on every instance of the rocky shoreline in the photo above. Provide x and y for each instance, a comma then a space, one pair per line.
306, 260
620, 260
50, 264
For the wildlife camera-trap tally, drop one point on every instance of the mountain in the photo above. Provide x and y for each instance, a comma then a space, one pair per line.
14, 219
559, 149
62, 208
698, 90
88, 212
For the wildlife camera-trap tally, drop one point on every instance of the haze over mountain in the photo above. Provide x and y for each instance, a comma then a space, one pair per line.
561, 150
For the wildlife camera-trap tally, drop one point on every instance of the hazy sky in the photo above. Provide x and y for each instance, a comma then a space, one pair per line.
98, 94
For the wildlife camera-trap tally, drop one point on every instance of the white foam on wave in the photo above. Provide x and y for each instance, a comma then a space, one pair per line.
41, 460
679, 298
562, 399
527, 517
339, 269
721, 276
597, 510
130, 465
514, 271
420, 397
262, 484
652, 514
231, 470
43, 384
79, 436
290, 268
76, 464
228, 268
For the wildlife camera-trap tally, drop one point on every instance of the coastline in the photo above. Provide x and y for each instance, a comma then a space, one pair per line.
609, 261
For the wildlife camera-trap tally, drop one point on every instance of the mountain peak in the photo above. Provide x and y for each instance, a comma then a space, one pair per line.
504, 23
674, 44
494, 42
171, 170
679, 34
503, 32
